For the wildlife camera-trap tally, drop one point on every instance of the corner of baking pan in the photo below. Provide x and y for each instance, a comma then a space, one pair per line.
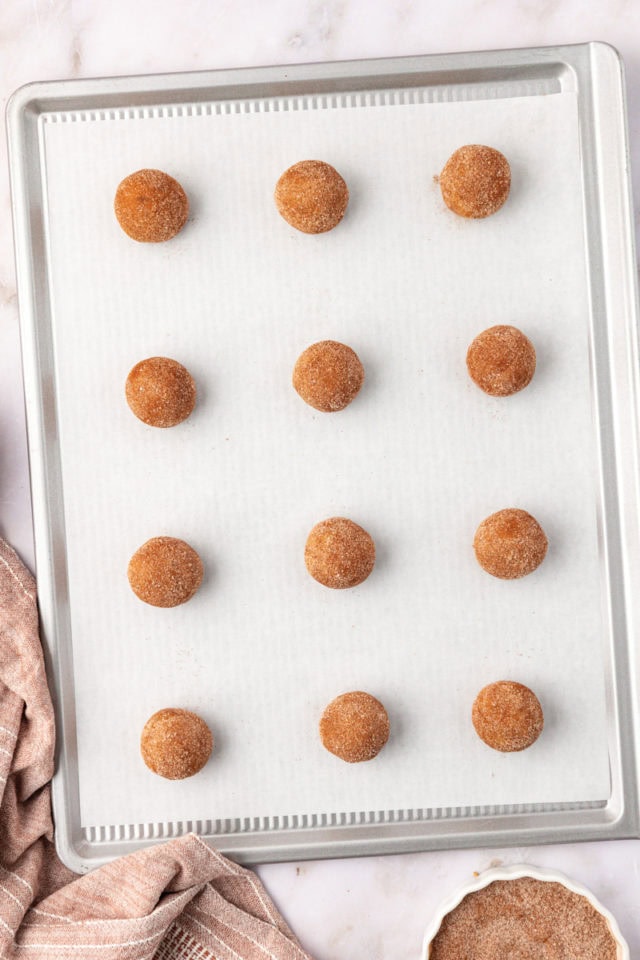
25, 102
607, 51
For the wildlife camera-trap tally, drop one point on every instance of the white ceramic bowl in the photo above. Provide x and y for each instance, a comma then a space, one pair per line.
513, 873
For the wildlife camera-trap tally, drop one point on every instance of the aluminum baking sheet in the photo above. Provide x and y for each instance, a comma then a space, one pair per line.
236, 297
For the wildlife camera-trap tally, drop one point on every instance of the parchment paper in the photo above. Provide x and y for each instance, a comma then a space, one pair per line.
419, 459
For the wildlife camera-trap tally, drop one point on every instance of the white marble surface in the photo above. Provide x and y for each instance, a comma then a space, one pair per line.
347, 909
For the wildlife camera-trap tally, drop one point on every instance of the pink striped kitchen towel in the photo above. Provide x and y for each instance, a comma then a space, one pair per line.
177, 901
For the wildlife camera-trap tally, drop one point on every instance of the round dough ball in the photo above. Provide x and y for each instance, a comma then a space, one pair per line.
312, 196
151, 206
175, 743
339, 553
161, 392
507, 716
328, 375
475, 181
501, 361
165, 572
510, 544
354, 727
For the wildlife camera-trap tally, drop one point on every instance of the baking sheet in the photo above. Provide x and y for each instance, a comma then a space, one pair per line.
419, 459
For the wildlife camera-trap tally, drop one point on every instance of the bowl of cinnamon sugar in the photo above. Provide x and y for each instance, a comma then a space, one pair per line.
524, 913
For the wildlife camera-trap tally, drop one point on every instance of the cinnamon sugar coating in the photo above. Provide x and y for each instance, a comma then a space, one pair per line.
524, 919
501, 361
339, 553
175, 743
507, 716
328, 375
354, 727
510, 544
165, 572
475, 181
151, 206
161, 392
312, 196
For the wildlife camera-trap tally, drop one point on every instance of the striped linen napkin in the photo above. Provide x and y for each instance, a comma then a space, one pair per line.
177, 901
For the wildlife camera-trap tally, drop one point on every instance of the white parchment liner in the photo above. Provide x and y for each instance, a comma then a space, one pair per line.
418, 459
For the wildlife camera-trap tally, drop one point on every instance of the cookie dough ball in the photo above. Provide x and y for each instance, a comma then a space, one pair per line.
312, 196
151, 206
475, 181
510, 544
354, 727
507, 716
328, 375
339, 553
175, 743
165, 572
161, 392
501, 361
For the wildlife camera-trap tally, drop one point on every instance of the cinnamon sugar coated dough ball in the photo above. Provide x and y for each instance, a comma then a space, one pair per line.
339, 553
507, 716
354, 727
165, 572
501, 361
151, 206
510, 544
475, 181
161, 392
328, 375
312, 196
175, 743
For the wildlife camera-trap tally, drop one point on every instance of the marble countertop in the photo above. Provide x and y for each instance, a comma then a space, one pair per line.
341, 909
